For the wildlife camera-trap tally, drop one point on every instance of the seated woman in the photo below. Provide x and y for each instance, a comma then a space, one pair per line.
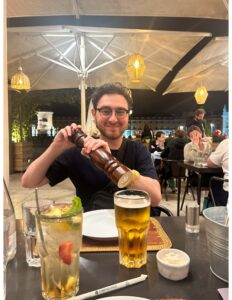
197, 145
192, 151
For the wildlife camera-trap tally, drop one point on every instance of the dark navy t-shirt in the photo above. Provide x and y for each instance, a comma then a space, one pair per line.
87, 178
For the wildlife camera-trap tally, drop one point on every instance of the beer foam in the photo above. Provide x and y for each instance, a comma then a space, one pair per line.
125, 201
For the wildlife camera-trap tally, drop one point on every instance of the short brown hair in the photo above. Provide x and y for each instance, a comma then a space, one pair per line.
179, 133
192, 128
200, 111
112, 88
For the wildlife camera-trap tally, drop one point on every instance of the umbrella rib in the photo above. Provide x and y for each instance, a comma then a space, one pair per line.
107, 63
34, 83
54, 47
99, 53
198, 73
34, 52
58, 63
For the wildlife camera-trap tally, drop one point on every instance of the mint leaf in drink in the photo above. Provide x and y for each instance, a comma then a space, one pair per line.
76, 207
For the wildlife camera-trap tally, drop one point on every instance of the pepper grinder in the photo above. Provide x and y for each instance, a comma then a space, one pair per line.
116, 171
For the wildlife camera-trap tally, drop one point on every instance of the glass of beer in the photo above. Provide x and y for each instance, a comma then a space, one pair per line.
132, 217
59, 238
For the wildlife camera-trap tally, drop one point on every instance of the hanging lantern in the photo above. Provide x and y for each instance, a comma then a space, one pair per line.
20, 81
135, 67
201, 95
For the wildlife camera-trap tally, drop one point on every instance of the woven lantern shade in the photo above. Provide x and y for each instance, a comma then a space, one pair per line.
201, 95
135, 67
20, 81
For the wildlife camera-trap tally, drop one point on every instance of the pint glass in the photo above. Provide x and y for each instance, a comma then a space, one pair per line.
132, 217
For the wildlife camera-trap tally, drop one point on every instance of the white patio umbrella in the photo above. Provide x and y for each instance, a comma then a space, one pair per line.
66, 56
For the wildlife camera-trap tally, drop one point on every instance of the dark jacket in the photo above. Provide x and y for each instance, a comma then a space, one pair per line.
174, 149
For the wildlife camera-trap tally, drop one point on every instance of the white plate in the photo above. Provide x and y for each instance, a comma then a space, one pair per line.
100, 224
123, 298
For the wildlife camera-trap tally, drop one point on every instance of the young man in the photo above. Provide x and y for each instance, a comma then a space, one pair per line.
158, 143
175, 148
62, 159
199, 120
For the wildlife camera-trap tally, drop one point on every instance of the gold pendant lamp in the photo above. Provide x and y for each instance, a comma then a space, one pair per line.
135, 67
201, 95
20, 81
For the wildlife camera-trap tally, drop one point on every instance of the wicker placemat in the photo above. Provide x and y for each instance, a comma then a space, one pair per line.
157, 239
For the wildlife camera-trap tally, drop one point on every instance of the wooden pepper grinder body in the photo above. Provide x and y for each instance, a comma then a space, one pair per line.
116, 171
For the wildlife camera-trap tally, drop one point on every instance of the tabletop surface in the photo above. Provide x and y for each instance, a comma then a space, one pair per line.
191, 166
101, 269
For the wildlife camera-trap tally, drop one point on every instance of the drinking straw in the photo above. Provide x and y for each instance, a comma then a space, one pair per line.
39, 225
110, 288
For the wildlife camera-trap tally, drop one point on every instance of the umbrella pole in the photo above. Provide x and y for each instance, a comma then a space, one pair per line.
83, 103
83, 83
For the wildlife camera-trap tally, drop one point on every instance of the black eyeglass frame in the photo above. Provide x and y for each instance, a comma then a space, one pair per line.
110, 111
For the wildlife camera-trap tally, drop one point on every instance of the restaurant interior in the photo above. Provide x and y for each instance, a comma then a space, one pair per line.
56, 53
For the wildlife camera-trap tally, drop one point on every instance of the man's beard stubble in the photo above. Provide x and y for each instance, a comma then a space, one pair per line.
109, 136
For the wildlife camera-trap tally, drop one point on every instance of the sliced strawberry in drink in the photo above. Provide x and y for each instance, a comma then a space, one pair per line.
65, 252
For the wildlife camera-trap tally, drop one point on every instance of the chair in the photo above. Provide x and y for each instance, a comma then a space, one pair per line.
158, 210
205, 183
187, 187
171, 169
219, 192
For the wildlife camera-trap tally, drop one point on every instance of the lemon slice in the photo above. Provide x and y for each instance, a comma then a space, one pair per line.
70, 283
53, 212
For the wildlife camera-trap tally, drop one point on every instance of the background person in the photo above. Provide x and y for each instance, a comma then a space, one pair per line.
220, 158
175, 147
157, 146
174, 151
192, 151
198, 120
158, 143
62, 159
197, 145
147, 133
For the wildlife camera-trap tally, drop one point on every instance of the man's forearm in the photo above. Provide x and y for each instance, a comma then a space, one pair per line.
35, 175
151, 186
211, 164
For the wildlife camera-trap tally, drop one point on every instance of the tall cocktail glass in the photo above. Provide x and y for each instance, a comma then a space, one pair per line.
59, 239
132, 215
29, 229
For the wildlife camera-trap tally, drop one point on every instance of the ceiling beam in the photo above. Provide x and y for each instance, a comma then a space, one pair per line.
216, 27
166, 81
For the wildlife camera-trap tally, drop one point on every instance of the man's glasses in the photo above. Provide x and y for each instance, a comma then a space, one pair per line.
106, 112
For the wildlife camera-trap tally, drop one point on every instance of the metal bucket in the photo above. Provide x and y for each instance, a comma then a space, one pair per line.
218, 242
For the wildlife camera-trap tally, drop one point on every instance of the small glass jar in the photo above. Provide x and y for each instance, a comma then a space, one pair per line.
192, 218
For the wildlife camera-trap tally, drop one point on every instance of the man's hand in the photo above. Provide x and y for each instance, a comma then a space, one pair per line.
61, 139
91, 144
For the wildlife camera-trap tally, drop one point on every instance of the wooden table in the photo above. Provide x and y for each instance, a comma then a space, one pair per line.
100, 269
